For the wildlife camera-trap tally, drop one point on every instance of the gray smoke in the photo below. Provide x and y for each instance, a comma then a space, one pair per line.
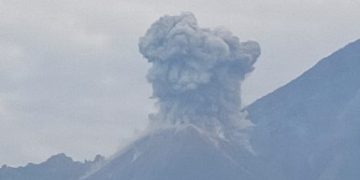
197, 72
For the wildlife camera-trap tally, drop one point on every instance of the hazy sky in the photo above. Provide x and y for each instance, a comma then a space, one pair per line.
72, 80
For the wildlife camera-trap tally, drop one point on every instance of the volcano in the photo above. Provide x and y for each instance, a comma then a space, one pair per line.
199, 131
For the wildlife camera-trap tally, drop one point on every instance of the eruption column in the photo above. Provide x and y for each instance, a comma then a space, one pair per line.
197, 72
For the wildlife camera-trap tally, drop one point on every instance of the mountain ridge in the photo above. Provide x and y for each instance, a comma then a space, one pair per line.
300, 121
57, 167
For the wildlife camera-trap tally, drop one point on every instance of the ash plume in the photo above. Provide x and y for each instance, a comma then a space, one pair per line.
196, 73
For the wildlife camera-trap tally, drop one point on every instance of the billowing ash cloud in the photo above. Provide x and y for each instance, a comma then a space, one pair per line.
197, 72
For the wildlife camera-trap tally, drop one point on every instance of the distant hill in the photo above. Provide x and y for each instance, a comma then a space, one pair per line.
58, 167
